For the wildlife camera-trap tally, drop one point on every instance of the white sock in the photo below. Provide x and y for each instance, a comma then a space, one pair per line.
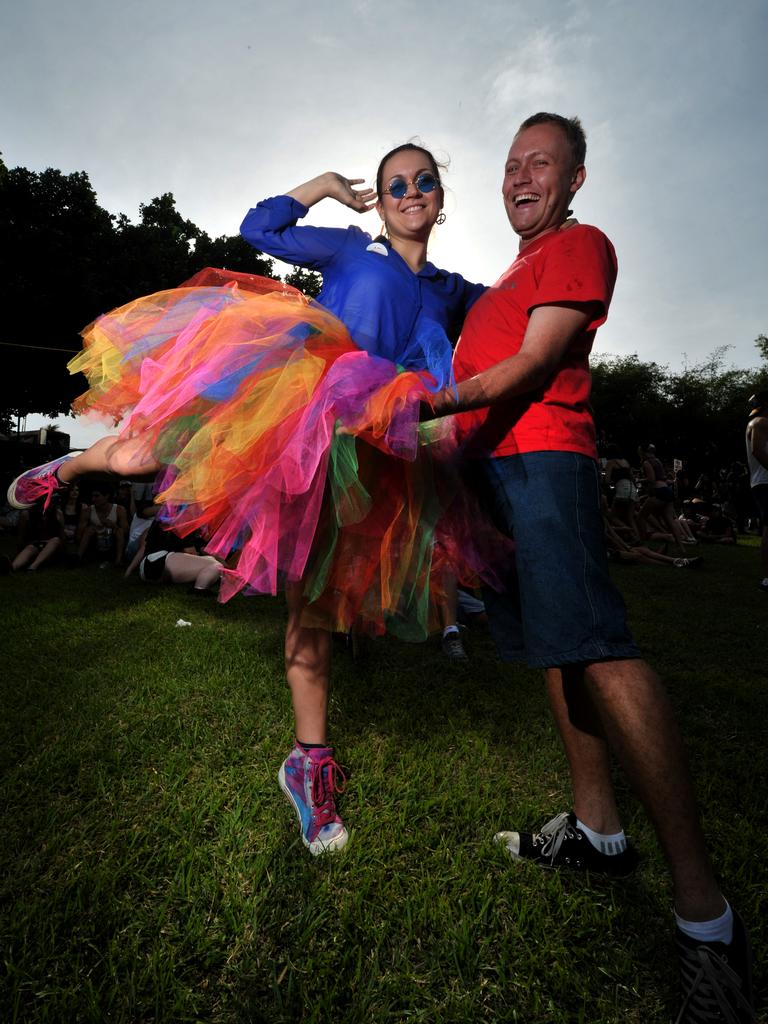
718, 930
450, 629
610, 845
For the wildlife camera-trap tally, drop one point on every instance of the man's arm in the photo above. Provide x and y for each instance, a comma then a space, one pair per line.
550, 331
758, 440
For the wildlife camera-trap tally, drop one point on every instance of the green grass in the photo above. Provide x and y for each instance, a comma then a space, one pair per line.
152, 871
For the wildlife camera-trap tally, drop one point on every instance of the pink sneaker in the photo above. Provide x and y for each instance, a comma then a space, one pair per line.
310, 778
40, 482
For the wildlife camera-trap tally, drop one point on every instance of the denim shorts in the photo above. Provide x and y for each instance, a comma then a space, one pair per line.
561, 607
760, 498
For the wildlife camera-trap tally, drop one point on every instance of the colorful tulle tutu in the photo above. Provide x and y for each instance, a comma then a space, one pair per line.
298, 455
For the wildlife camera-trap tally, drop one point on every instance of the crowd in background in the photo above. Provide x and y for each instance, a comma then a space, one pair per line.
656, 512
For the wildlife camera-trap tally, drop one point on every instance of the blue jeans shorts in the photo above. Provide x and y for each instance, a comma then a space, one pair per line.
760, 498
561, 607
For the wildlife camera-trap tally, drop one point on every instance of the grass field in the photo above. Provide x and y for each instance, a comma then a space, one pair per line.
152, 871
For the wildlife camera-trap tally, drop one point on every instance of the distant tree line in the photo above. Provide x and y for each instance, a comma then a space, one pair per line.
697, 414
65, 260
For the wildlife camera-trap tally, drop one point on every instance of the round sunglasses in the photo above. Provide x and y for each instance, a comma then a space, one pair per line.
424, 182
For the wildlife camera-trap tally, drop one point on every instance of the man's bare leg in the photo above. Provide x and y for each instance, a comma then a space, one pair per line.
639, 723
586, 749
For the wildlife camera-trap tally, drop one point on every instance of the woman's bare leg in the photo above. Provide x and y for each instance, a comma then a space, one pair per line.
308, 671
123, 457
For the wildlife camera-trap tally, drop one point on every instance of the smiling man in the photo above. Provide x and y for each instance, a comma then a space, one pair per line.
523, 393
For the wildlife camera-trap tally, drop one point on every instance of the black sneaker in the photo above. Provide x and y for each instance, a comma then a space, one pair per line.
560, 844
715, 979
452, 647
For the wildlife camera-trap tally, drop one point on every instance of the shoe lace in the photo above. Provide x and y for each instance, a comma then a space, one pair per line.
552, 835
328, 778
712, 990
46, 484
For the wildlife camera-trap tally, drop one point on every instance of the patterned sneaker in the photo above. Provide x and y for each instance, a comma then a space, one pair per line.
560, 844
309, 778
37, 483
452, 647
715, 979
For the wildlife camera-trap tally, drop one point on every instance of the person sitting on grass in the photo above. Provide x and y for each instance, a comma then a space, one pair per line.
71, 506
103, 528
143, 514
41, 537
718, 528
164, 557
620, 550
659, 505
620, 481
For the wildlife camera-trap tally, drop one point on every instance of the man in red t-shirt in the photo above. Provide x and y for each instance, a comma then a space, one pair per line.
522, 398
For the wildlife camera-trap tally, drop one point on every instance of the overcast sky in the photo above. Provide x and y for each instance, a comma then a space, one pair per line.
223, 104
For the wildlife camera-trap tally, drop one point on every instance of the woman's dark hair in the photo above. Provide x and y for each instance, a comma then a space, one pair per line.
434, 165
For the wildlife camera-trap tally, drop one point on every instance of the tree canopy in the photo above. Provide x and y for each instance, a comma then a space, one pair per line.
697, 414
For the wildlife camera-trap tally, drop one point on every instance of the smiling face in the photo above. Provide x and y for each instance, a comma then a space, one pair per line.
540, 179
412, 217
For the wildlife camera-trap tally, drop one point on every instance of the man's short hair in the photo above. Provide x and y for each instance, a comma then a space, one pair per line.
572, 128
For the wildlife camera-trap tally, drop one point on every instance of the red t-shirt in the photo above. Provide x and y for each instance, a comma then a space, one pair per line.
574, 265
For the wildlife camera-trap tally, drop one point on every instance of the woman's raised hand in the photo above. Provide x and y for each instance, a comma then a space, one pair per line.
342, 189
335, 186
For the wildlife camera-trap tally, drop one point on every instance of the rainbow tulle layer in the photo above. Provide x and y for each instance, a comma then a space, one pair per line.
298, 455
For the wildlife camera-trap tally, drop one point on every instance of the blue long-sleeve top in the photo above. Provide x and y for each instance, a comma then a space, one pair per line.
412, 319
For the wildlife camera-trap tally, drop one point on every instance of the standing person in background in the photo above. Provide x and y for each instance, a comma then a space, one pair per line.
523, 389
757, 459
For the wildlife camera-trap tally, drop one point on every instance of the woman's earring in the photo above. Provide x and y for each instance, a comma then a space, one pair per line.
440, 219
